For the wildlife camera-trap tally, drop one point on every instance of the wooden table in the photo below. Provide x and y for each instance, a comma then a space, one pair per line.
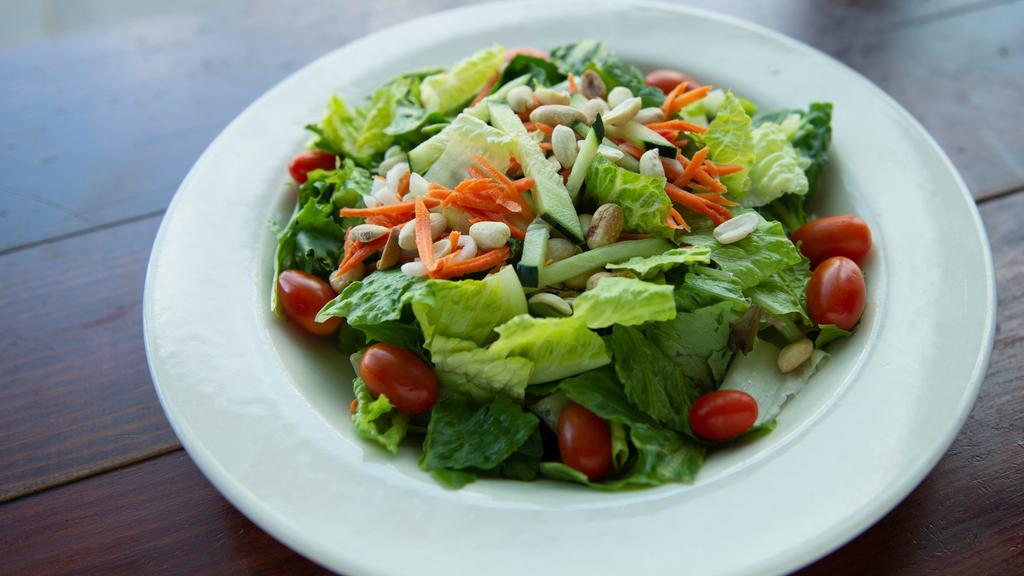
99, 128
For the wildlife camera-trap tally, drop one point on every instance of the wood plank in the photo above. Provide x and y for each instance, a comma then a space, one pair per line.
161, 516
115, 118
75, 391
965, 519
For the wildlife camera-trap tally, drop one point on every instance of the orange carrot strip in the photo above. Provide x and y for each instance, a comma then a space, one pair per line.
677, 125
572, 84
523, 184
485, 261
529, 126
670, 97
517, 233
725, 169
392, 209
697, 204
403, 185
353, 406
424, 244
453, 239
545, 146
631, 149
691, 166
544, 128
716, 198
684, 100
486, 89
706, 179
362, 253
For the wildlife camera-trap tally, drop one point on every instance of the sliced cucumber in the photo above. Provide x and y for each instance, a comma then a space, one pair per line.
585, 158
424, 155
552, 199
600, 257
644, 137
535, 252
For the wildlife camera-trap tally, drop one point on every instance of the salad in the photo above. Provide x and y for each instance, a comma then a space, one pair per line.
549, 264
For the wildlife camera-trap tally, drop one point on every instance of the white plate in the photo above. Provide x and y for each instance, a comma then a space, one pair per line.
263, 410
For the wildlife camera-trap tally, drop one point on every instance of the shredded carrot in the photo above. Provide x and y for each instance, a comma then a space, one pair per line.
716, 213
684, 100
680, 222
692, 166
523, 184
486, 89
353, 407
670, 97
453, 239
530, 127
392, 209
572, 84
547, 130
403, 184
424, 244
681, 142
716, 198
723, 169
631, 149
513, 165
475, 172
479, 263
516, 232
677, 125
706, 180
546, 146
361, 252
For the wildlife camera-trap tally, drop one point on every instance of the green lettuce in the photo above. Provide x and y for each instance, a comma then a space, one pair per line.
650, 266
758, 375
471, 438
778, 168
343, 187
376, 419
481, 373
543, 72
697, 342
468, 309
730, 140
704, 286
784, 293
375, 300
644, 204
312, 242
751, 260
447, 91
653, 382
830, 333
468, 136
660, 455
356, 133
625, 301
593, 55
558, 347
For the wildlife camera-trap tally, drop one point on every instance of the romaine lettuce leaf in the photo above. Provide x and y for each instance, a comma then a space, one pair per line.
376, 419
698, 342
356, 133
312, 242
601, 392
625, 301
594, 55
653, 382
558, 347
373, 301
650, 266
466, 137
830, 333
343, 187
778, 168
524, 463
812, 139
785, 292
751, 260
463, 436
729, 137
468, 309
481, 373
704, 286
757, 374
447, 91
642, 198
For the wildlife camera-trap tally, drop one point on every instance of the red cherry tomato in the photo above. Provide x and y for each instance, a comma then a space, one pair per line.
834, 236
836, 293
723, 414
400, 375
585, 441
302, 295
308, 160
525, 51
666, 80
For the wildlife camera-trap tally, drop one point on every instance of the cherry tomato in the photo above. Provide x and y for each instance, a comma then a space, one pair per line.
400, 375
302, 295
834, 236
525, 51
308, 160
836, 293
723, 414
666, 80
584, 441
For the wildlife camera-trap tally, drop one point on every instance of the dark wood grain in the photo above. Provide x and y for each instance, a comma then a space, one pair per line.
75, 393
964, 519
109, 122
159, 517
